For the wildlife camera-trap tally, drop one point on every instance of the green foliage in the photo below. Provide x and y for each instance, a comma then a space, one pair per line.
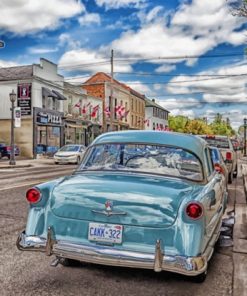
199, 126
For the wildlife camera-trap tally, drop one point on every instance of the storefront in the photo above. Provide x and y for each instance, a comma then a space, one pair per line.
75, 132
81, 131
48, 131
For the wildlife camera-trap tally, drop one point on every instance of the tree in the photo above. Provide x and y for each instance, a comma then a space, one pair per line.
178, 123
197, 127
221, 127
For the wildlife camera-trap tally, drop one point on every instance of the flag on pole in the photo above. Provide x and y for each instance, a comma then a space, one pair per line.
107, 111
95, 110
78, 105
84, 108
146, 121
120, 112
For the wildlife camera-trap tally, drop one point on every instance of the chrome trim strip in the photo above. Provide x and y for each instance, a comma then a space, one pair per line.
97, 254
108, 213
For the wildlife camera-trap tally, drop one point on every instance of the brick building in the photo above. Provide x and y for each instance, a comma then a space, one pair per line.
129, 102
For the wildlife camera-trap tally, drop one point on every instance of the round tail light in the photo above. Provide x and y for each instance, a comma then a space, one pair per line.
33, 195
194, 210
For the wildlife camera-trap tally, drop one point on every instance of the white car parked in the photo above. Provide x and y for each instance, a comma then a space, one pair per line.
69, 154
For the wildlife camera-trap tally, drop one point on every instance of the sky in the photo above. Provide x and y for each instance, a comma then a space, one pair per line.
187, 54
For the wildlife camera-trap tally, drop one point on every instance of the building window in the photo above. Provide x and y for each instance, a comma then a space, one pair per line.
132, 120
70, 105
126, 109
54, 106
115, 113
43, 102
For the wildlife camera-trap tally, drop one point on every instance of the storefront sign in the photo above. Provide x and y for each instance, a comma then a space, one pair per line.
24, 98
45, 118
17, 116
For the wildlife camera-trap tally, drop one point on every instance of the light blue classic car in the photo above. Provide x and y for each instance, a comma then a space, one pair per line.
142, 199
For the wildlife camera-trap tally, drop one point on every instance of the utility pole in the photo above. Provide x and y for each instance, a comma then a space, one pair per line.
12, 97
111, 94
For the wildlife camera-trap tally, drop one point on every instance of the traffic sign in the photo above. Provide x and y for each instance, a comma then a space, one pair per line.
2, 44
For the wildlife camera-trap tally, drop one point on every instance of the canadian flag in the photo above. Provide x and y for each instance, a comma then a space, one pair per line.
107, 111
84, 108
78, 105
146, 121
120, 111
95, 110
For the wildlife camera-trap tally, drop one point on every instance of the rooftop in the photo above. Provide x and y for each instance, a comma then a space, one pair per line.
16, 73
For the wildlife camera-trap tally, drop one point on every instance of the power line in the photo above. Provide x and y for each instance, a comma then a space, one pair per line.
158, 58
174, 75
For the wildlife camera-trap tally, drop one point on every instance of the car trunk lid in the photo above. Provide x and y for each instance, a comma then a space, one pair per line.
139, 200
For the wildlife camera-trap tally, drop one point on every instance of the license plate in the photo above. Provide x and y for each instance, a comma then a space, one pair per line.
110, 233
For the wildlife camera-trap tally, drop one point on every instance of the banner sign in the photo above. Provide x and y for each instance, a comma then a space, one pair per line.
17, 116
44, 117
24, 98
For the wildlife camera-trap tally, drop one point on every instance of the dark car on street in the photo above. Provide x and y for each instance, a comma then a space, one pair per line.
5, 150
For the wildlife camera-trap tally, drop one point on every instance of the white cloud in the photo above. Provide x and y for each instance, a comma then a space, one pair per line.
115, 4
229, 89
179, 103
188, 113
41, 50
89, 60
89, 19
165, 68
4, 64
66, 40
138, 86
29, 16
194, 29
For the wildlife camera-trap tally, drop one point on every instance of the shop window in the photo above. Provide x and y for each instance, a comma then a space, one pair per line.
53, 137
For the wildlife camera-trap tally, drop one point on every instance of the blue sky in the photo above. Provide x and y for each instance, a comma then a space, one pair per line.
187, 54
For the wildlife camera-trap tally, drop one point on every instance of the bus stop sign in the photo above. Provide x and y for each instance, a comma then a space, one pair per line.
2, 44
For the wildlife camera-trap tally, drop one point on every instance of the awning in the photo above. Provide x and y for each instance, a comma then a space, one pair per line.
59, 95
48, 93
75, 125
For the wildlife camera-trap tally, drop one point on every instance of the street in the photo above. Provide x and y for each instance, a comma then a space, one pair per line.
30, 273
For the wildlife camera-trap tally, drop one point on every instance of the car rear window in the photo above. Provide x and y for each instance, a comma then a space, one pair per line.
155, 159
217, 142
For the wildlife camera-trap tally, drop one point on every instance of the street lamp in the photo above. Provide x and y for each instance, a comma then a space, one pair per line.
245, 125
12, 97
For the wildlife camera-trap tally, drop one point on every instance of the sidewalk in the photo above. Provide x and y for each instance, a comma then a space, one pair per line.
240, 235
22, 163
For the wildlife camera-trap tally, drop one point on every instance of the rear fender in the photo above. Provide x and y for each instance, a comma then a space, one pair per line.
37, 211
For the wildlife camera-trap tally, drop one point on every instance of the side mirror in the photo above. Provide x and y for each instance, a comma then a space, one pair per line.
218, 168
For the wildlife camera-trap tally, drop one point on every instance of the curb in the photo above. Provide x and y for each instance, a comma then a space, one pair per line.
240, 238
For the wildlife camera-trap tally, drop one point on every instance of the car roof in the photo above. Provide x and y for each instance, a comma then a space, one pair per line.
185, 141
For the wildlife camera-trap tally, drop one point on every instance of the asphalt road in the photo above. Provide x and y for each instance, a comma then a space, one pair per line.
29, 273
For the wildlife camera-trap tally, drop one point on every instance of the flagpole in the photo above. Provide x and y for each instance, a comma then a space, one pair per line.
111, 94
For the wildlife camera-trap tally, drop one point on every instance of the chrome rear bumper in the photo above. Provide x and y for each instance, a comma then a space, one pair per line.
105, 255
